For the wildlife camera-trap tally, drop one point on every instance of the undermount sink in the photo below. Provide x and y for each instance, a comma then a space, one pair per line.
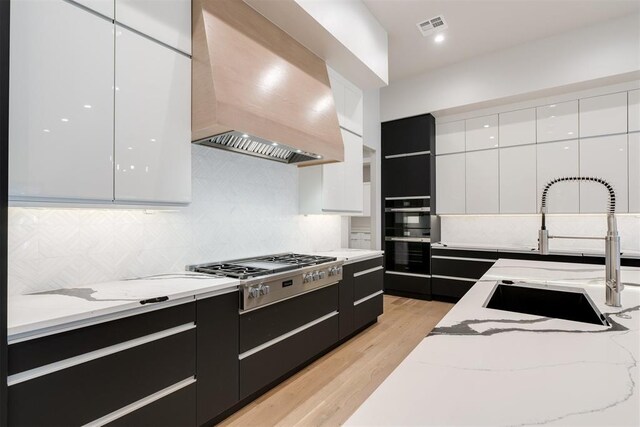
545, 300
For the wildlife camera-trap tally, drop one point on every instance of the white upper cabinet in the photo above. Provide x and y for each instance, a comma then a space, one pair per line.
61, 102
168, 21
556, 122
334, 187
555, 160
450, 137
518, 127
634, 172
604, 157
634, 110
518, 179
348, 99
482, 133
103, 7
603, 115
482, 184
153, 121
450, 184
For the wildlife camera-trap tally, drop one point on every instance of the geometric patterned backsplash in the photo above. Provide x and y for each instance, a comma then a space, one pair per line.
242, 206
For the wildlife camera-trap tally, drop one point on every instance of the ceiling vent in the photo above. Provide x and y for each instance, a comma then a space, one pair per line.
432, 25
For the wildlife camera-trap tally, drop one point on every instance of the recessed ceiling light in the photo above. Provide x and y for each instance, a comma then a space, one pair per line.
46, 130
439, 38
492, 137
570, 133
64, 120
486, 126
87, 106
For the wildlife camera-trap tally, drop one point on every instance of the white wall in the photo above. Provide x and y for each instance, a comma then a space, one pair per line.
242, 206
606, 50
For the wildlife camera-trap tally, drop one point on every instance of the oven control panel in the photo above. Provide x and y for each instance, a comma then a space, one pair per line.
272, 289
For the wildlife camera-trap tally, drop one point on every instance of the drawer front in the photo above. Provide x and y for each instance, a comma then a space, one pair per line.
461, 253
88, 391
367, 282
466, 268
175, 409
368, 311
265, 324
264, 367
409, 284
42, 351
451, 288
365, 265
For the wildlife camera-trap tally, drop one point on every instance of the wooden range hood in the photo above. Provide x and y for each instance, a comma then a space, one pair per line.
258, 91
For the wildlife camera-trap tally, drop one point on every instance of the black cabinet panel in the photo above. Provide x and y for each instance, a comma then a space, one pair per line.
264, 367
346, 301
42, 351
367, 284
470, 269
406, 176
408, 135
449, 287
368, 311
83, 393
265, 324
177, 409
218, 366
462, 253
407, 284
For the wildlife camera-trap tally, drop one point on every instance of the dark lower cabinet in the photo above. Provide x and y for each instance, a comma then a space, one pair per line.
177, 409
359, 280
450, 287
217, 366
366, 311
407, 285
260, 369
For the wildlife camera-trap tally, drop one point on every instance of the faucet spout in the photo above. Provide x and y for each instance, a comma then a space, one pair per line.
613, 283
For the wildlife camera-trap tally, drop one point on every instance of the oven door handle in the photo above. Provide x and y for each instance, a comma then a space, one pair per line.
409, 239
407, 210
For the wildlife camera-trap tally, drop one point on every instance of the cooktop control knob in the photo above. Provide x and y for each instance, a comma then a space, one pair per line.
306, 278
322, 274
316, 276
264, 289
253, 292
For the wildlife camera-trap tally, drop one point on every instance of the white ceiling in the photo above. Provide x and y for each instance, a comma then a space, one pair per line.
480, 26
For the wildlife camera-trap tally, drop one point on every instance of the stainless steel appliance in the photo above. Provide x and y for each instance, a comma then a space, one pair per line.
407, 217
268, 279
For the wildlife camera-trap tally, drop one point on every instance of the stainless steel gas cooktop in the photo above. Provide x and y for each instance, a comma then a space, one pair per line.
269, 279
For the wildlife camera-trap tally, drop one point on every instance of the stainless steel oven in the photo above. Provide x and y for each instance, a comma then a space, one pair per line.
408, 255
407, 235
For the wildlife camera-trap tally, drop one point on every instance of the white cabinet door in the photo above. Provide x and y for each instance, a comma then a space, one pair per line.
634, 172
366, 199
450, 137
348, 99
342, 182
634, 110
482, 133
482, 186
450, 184
332, 187
153, 121
518, 127
518, 179
556, 122
61, 102
555, 160
168, 21
604, 157
103, 7
603, 115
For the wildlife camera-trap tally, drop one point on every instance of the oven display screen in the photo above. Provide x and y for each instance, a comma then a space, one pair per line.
287, 283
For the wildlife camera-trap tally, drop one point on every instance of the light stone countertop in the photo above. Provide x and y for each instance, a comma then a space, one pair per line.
349, 255
484, 367
61, 309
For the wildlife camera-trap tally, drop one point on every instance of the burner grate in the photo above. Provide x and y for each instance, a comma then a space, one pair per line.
232, 270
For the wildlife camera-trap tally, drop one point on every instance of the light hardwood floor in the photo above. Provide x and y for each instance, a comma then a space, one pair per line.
328, 391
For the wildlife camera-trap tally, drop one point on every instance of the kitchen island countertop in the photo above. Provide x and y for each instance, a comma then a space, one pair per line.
482, 366
47, 312
349, 255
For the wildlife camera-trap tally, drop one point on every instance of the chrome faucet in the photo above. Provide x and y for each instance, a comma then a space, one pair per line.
613, 284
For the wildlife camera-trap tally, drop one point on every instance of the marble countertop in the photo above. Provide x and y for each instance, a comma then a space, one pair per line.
482, 366
522, 248
33, 314
349, 255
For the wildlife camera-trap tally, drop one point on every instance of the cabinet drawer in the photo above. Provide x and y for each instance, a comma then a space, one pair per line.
42, 351
368, 311
262, 368
85, 392
175, 409
265, 324
408, 284
367, 282
452, 288
469, 268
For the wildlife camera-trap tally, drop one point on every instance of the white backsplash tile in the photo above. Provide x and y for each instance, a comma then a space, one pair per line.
242, 206
522, 231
